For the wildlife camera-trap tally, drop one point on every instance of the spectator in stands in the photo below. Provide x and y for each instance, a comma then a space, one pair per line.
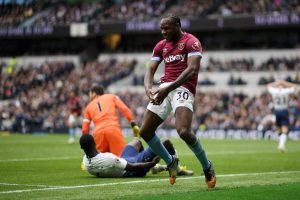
16, 12
64, 13
34, 83
236, 81
206, 81
37, 86
265, 80
230, 65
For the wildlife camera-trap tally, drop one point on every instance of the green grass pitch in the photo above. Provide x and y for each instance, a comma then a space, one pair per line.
46, 167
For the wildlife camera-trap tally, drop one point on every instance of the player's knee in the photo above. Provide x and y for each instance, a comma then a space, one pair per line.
169, 146
136, 143
142, 132
184, 133
285, 129
146, 135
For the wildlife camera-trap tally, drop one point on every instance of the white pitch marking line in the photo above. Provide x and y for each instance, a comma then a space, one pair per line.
75, 157
240, 152
27, 185
139, 181
34, 159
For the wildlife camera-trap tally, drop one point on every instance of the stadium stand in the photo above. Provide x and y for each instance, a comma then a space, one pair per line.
221, 110
240, 57
36, 95
13, 13
65, 12
29, 86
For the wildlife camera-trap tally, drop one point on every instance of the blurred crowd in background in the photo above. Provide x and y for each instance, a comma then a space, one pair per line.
247, 64
36, 96
223, 110
47, 12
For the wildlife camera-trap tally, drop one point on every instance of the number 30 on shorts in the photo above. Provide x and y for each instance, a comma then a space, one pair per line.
182, 95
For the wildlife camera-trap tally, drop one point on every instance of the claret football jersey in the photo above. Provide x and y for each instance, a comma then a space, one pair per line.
174, 55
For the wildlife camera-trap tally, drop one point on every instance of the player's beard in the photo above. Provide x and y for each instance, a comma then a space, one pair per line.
168, 37
172, 37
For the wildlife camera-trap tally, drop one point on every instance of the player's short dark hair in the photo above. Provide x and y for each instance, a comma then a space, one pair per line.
87, 143
98, 89
174, 18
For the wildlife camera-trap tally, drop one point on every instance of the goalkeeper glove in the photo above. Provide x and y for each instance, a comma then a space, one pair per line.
135, 129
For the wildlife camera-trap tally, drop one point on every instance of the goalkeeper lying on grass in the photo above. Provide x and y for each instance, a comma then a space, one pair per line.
135, 161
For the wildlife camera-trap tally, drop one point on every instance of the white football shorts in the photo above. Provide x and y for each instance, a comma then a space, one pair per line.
74, 120
177, 98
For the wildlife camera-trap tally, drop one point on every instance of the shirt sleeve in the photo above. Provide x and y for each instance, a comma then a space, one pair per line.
126, 112
106, 165
289, 90
85, 128
157, 53
273, 90
193, 47
121, 163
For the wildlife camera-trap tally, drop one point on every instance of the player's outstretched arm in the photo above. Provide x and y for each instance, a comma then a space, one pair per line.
281, 83
146, 166
274, 84
287, 84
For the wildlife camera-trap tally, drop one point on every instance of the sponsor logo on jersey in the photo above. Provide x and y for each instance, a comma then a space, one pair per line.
172, 58
180, 46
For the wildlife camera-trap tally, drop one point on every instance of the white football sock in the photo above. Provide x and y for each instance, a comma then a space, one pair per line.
282, 141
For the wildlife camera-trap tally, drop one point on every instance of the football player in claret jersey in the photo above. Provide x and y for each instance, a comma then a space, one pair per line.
74, 120
280, 91
181, 53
